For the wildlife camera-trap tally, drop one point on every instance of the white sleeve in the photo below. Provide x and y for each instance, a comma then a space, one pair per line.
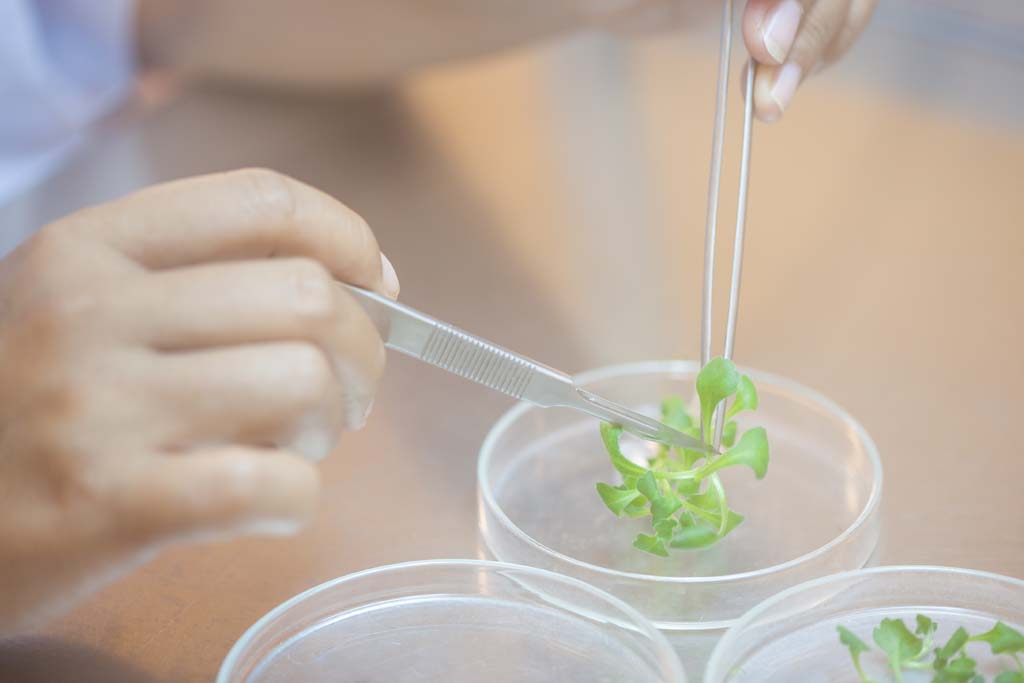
63, 64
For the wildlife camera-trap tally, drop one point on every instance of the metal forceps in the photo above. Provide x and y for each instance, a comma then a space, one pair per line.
444, 346
714, 184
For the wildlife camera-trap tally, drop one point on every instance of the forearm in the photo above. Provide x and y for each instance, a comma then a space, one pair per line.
329, 43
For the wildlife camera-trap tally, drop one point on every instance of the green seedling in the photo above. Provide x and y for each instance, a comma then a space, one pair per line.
907, 651
679, 488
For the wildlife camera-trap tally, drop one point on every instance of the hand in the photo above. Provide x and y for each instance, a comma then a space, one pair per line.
791, 39
166, 361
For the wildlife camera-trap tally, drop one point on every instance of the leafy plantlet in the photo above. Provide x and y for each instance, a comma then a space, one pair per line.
1003, 640
903, 648
679, 488
908, 650
952, 647
857, 647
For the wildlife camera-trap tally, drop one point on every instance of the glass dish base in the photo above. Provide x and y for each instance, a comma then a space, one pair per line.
456, 621
792, 636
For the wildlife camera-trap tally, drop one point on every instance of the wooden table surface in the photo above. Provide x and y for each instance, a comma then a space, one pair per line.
553, 200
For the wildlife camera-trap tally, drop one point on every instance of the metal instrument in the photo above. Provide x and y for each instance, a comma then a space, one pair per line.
714, 183
449, 348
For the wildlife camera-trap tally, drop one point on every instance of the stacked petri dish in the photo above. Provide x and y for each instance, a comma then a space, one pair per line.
566, 597
816, 513
793, 635
458, 621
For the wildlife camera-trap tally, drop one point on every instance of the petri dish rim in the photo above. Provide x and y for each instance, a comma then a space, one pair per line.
647, 628
781, 597
678, 367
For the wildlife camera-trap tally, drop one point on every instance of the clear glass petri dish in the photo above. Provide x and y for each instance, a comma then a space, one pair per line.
816, 512
460, 621
792, 636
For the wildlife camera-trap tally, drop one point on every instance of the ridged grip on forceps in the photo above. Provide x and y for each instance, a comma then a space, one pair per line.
449, 348
457, 352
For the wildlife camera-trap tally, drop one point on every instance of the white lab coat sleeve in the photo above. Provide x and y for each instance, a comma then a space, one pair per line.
63, 65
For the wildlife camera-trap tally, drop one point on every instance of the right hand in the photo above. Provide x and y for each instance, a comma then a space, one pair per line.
169, 362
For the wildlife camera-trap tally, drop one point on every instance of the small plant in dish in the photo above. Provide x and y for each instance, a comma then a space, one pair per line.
909, 650
679, 488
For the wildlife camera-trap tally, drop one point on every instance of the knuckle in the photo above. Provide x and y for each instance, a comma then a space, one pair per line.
51, 239
817, 33
313, 292
80, 486
46, 251
311, 374
240, 488
269, 192
362, 254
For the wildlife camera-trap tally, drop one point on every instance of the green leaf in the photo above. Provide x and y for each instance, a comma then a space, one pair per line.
746, 398
709, 500
699, 535
610, 435
729, 434
617, 498
712, 504
650, 544
857, 647
687, 487
648, 486
690, 456
752, 451
926, 630
732, 520
663, 529
664, 507
638, 508
960, 670
1010, 677
955, 643
717, 381
674, 413
898, 643
1002, 639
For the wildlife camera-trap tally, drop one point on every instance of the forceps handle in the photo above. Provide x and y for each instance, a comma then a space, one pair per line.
447, 347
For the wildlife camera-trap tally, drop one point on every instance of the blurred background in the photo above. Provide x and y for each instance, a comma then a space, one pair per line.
553, 200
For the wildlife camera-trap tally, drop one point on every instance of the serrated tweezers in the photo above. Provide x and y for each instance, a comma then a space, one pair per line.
449, 348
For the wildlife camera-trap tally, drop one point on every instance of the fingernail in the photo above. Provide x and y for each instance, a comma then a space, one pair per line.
785, 85
781, 28
390, 277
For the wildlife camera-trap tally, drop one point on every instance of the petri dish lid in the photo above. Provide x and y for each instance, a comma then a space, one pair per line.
792, 636
452, 620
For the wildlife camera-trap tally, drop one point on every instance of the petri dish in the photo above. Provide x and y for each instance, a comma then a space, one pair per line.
815, 514
460, 621
792, 636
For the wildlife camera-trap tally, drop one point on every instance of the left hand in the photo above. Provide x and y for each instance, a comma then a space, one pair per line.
791, 39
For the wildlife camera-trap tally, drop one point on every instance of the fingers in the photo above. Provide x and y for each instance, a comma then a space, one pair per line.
770, 27
790, 39
286, 394
217, 492
858, 18
247, 214
234, 363
224, 304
